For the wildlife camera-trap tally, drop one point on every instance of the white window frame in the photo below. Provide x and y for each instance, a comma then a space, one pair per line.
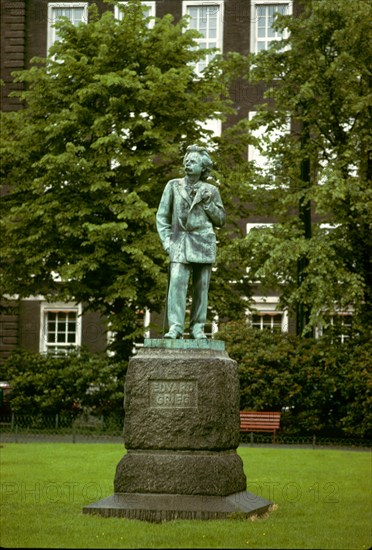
66, 307
257, 225
151, 5
219, 4
267, 305
260, 3
214, 125
51, 31
146, 322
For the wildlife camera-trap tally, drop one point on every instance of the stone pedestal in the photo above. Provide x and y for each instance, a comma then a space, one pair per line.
181, 432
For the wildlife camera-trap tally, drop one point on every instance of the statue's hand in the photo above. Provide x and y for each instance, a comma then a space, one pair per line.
206, 196
166, 246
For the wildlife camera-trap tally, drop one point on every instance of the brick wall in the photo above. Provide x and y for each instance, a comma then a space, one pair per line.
8, 331
13, 21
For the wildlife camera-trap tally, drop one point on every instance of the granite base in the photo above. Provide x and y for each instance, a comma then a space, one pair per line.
157, 508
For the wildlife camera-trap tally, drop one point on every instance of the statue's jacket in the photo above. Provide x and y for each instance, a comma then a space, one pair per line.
186, 225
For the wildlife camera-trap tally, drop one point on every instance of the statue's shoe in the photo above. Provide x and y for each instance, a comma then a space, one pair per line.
173, 334
198, 335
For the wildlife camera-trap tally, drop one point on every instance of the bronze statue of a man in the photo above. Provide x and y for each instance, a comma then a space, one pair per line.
189, 210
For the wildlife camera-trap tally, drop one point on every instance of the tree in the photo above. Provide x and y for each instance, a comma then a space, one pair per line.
106, 119
320, 79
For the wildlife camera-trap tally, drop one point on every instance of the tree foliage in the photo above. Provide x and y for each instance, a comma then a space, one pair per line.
319, 78
106, 120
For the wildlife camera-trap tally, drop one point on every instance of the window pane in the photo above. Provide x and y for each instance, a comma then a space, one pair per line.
61, 327
77, 16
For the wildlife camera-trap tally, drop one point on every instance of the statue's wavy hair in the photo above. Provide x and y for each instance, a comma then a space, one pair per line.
206, 159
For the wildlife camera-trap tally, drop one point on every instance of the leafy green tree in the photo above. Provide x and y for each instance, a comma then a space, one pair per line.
106, 120
319, 78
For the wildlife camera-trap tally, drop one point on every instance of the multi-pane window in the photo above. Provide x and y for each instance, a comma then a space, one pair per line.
263, 16
61, 328
266, 316
149, 10
206, 18
267, 321
76, 12
340, 327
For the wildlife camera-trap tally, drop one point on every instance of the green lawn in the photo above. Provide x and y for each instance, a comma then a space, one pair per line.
323, 500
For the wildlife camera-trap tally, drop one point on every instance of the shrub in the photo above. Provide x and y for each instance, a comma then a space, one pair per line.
69, 384
321, 387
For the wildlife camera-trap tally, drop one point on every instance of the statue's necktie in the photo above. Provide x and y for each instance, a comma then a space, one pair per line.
191, 191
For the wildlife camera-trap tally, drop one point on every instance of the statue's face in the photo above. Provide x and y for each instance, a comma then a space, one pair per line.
193, 165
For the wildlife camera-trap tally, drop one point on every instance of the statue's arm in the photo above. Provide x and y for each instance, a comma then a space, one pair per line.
164, 216
214, 209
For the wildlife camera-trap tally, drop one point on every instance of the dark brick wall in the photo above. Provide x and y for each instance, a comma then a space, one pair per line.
13, 22
94, 336
169, 6
36, 29
29, 325
237, 21
8, 330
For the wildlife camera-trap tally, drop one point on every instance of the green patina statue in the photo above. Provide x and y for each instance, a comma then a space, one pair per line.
188, 212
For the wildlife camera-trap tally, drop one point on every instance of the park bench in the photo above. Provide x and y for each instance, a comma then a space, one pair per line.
255, 421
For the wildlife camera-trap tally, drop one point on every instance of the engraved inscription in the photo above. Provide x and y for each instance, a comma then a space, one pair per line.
176, 394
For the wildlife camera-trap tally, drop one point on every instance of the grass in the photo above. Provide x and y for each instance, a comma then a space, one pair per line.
322, 497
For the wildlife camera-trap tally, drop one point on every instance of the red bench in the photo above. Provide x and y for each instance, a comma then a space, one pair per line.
257, 421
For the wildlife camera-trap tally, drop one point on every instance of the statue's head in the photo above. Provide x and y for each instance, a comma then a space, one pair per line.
204, 156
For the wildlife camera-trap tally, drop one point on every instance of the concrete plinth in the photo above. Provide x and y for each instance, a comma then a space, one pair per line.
158, 507
181, 432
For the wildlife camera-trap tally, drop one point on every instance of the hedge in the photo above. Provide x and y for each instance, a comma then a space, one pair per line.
321, 387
